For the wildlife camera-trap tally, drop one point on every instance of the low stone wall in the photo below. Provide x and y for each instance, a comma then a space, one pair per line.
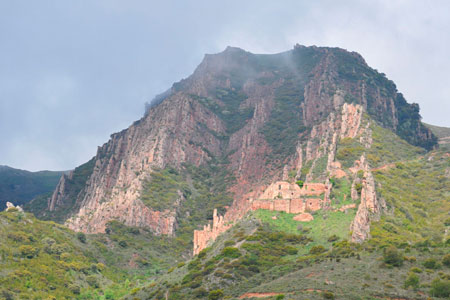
292, 206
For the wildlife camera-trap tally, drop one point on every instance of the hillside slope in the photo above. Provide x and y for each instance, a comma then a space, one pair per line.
268, 254
45, 260
20, 186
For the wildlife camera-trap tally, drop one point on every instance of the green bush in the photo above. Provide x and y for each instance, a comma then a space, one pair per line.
92, 281
280, 297
440, 288
333, 238
231, 252
28, 251
18, 236
74, 289
317, 250
328, 295
81, 237
446, 260
200, 293
300, 183
393, 257
358, 188
215, 295
412, 281
416, 270
431, 263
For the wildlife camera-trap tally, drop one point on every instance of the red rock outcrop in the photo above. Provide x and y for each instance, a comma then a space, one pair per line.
370, 207
113, 190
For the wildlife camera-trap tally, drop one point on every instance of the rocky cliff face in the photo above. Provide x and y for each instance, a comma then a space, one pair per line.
269, 117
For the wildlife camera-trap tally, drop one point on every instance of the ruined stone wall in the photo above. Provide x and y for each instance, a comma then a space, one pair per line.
209, 233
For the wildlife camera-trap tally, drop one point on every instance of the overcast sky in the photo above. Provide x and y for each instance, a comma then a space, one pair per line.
73, 72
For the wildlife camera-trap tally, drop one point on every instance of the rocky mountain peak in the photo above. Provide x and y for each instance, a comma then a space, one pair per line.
260, 119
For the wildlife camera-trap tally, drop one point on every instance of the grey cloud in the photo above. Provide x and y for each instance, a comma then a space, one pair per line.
73, 72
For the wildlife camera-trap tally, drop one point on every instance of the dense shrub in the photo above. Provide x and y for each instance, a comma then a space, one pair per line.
317, 250
74, 288
328, 295
440, 288
393, 257
28, 251
92, 281
446, 260
412, 281
333, 238
81, 237
231, 252
215, 295
431, 263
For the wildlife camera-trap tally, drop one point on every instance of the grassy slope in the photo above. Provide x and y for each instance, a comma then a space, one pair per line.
45, 260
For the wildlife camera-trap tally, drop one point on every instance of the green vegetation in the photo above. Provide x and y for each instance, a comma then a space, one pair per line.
44, 260
281, 131
203, 189
228, 107
160, 190
320, 229
300, 183
285, 124
349, 150
418, 193
393, 257
386, 148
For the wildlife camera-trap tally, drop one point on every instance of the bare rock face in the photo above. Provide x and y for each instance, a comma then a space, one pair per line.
57, 198
112, 191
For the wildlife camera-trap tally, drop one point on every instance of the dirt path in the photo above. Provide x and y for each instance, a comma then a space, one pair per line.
259, 295
384, 167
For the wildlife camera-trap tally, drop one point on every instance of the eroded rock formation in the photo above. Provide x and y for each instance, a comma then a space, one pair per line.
370, 207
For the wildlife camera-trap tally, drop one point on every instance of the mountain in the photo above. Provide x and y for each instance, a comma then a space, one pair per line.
20, 186
252, 116
303, 174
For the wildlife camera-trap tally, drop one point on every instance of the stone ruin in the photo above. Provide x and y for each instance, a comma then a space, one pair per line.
202, 237
290, 198
279, 196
